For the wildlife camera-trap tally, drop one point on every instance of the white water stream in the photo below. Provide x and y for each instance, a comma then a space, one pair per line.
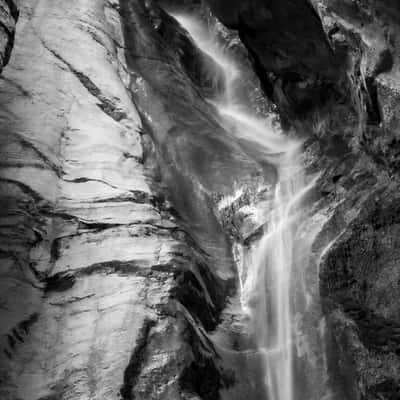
267, 270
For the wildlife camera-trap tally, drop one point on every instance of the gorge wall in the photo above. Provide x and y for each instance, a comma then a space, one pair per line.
332, 68
103, 291
114, 265
116, 261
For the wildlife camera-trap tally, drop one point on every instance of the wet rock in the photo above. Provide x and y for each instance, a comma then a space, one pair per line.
202, 165
197, 155
122, 192
104, 291
359, 267
358, 279
332, 68
367, 36
289, 49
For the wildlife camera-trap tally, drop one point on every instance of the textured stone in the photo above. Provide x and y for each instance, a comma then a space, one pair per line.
366, 36
349, 52
360, 266
101, 290
122, 192
289, 50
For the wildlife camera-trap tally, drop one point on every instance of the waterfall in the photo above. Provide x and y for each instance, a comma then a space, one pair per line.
267, 268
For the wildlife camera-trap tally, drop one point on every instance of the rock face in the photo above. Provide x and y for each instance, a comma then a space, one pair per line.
359, 274
118, 277
104, 293
115, 264
8, 18
291, 53
332, 68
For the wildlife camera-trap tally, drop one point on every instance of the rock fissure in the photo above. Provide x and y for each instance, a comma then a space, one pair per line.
136, 361
105, 104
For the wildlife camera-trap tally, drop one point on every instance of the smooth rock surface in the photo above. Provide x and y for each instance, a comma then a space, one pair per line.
98, 279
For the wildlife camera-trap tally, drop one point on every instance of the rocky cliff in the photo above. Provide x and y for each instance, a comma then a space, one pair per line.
104, 292
332, 67
119, 194
115, 263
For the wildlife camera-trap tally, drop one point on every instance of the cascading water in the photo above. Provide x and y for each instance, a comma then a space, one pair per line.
267, 268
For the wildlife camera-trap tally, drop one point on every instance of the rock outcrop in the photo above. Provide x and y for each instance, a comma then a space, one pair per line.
104, 292
116, 265
359, 272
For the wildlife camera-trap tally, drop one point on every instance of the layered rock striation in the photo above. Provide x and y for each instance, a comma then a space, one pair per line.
104, 292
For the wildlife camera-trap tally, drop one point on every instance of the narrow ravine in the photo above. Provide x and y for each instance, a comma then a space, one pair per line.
265, 269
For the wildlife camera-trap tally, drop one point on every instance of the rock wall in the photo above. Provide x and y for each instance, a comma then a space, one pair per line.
359, 272
116, 254
332, 68
290, 52
104, 292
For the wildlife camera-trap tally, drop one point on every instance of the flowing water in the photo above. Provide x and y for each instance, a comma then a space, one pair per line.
267, 269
